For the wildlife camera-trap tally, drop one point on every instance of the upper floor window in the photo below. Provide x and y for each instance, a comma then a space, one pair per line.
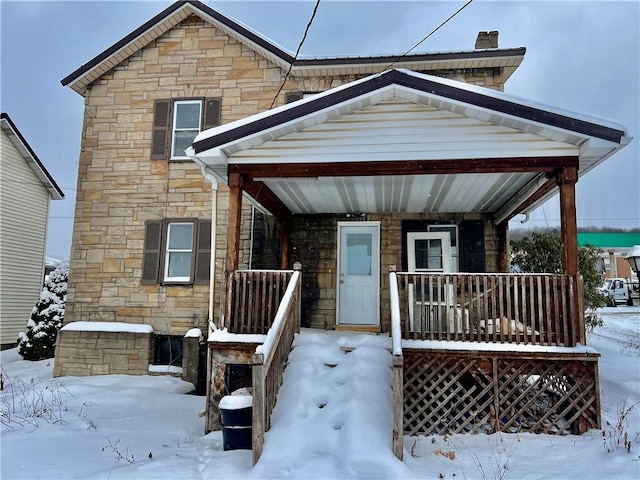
186, 125
177, 122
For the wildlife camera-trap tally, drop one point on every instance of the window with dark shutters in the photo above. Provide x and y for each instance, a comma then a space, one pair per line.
152, 250
155, 252
161, 138
161, 129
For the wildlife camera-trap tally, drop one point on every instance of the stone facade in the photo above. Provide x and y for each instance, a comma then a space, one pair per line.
120, 187
82, 353
314, 244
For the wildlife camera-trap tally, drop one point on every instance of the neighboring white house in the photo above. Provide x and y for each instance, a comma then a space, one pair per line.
25, 190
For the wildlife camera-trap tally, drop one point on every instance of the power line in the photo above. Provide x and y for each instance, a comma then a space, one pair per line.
425, 38
313, 15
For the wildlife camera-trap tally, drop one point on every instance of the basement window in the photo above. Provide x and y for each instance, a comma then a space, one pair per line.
168, 350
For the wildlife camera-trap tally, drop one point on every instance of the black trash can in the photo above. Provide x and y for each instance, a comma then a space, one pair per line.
236, 413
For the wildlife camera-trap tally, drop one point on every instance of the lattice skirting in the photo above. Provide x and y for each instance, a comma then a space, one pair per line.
486, 392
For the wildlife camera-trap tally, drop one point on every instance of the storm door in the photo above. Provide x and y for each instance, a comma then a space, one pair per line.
431, 302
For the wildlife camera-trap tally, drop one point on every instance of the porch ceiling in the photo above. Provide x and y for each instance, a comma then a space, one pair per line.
406, 142
398, 193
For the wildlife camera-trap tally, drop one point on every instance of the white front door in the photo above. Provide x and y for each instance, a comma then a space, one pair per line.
358, 289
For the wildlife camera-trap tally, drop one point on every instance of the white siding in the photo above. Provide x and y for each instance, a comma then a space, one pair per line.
400, 130
24, 204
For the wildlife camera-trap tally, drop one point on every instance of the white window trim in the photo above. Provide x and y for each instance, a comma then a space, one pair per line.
444, 237
455, 264
174, 123
167, 251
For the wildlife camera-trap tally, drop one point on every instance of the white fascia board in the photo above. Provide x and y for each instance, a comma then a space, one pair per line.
214, 158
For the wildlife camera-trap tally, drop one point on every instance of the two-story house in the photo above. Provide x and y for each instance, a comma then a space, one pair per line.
141, 240
190, 181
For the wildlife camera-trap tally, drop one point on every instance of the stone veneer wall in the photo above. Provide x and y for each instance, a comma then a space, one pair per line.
83, 353
314, 243
119, 187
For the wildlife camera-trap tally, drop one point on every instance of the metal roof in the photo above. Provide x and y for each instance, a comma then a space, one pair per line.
508, 59
400, 117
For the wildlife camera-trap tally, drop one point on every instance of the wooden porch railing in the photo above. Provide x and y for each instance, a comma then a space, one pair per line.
398, 367
252, 299
271, 357
537, 309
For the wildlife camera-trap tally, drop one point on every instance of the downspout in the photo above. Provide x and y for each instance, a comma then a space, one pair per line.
214, 234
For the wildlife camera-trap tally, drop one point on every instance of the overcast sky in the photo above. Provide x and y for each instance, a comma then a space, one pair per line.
581, 56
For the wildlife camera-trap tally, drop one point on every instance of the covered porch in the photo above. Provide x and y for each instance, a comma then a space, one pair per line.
394, 194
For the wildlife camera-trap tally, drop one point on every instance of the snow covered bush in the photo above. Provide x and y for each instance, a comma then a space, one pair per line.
38, 342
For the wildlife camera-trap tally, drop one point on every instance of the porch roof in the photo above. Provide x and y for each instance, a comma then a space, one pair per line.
401, 141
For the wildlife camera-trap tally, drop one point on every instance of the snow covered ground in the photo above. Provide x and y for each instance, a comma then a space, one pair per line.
332, 420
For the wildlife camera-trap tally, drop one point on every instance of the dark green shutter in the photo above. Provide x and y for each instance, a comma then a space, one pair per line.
211, 114
292, 97
203, 253
161, 130
151, 252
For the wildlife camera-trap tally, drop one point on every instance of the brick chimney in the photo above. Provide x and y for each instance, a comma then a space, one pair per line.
487, 40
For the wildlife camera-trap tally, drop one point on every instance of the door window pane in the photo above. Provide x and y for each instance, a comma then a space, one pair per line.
428, 254
435, 254
359, 257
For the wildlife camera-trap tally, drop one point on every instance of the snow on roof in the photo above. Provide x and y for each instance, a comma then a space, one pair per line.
489, 92
178, 11
108, 327
278, 119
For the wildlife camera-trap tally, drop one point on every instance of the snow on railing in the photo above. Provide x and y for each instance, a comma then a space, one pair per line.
398, 366
396, 329
271, 357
